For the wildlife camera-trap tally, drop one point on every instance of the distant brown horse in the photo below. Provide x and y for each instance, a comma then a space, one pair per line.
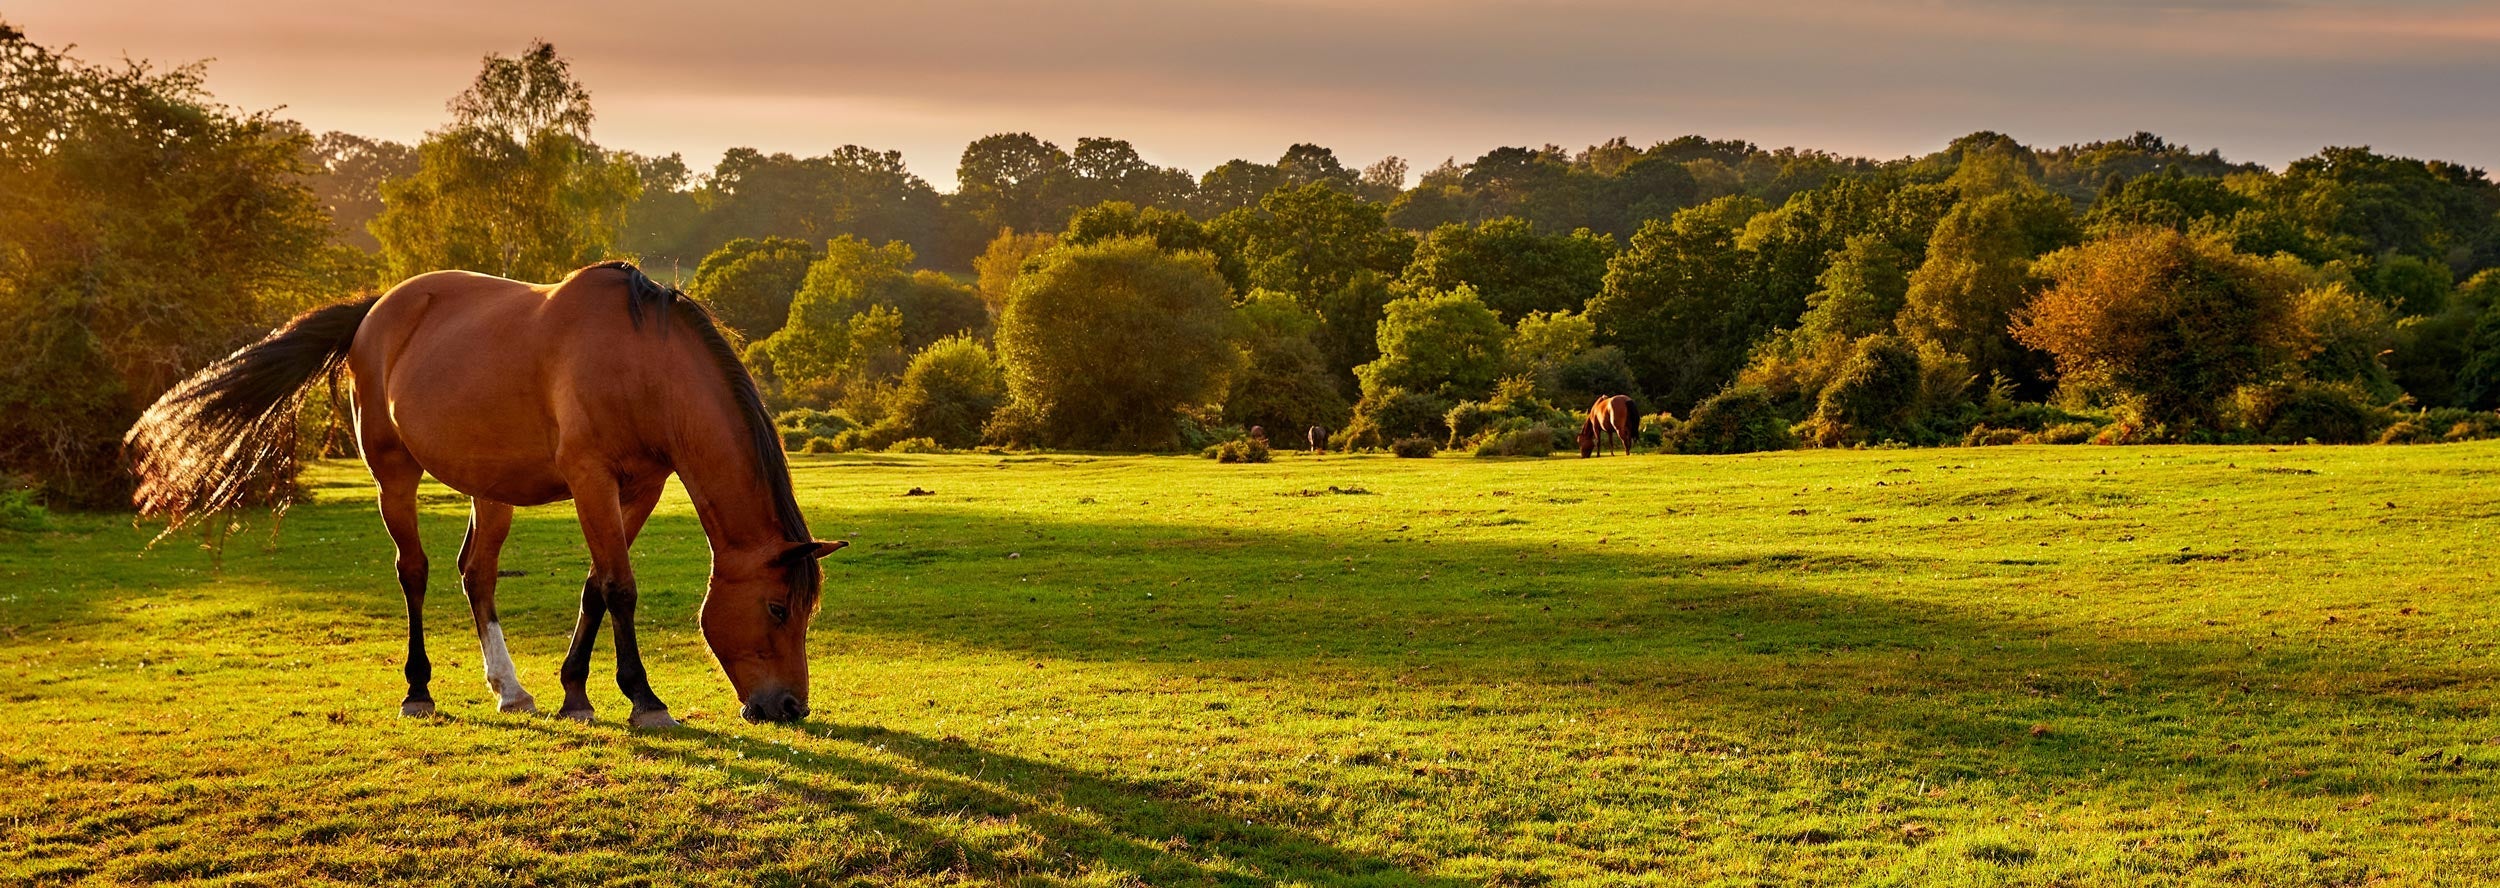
1610, 416
594, 390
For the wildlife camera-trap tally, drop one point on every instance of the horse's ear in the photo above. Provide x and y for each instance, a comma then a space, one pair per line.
808, 551
821, 548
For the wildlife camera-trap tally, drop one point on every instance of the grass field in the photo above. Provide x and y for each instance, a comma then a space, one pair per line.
2074, 666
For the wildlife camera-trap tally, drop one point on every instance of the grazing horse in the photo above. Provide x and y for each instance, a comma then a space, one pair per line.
1610, 416
594, 390
1318, 438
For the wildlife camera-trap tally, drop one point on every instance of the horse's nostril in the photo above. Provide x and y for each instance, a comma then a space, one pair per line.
792, 709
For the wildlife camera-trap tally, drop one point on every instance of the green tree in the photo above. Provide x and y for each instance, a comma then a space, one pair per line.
1283, 382
1003, 262
1515, 270
855, 191
513, 186
348, 172
859, 310
1014, 181
2172, 323
1104, 169
1962, 299
1326, 249
145, 231
749, 282
1681, 306
1446, 344
1103, 344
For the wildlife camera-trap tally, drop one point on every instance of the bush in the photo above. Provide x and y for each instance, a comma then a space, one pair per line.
915, 445
2463, 425
2304, 410
21, 513
1659, 428
949, 392
1983, 436
2408, 432
1413, 448
1393, 413
798, 426
821, 445
2067, 433
1513, 407
1875, 397
1240, 450
1741, 419
1535, 440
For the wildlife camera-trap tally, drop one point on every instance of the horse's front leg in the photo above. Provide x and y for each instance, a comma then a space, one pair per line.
608, 527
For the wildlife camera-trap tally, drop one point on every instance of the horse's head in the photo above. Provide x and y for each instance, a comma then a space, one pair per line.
755, 619
1588, 439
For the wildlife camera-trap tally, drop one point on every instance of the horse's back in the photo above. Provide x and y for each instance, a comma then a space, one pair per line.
478, 377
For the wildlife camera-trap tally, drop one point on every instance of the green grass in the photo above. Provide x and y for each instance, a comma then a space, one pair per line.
2073, 666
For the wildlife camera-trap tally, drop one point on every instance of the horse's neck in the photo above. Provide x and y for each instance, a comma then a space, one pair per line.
724, 477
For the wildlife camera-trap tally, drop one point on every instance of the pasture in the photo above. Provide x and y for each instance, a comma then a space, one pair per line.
2028, 665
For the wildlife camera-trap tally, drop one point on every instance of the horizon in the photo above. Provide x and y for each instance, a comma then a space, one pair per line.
2270, 81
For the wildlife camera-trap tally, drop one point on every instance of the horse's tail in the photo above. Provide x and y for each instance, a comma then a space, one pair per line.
225, 437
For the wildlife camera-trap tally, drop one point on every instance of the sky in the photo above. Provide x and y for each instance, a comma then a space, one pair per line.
1194, 83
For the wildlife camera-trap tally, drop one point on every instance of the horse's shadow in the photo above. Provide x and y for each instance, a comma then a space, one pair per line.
1148, 831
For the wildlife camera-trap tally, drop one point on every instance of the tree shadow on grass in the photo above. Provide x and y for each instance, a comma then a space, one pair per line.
1147, 831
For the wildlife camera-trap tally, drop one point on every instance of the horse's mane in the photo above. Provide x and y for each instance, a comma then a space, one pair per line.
771, 467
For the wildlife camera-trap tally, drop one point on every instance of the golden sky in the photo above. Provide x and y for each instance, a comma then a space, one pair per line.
1196, 83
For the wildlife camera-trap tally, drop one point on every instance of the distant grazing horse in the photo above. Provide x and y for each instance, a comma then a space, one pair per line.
1318, 438
594, 390
1610, 416
1258, 433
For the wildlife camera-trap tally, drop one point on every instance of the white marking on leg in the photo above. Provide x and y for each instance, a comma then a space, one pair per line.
504, 680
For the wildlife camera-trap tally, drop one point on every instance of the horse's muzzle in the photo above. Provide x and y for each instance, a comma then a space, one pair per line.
774, 705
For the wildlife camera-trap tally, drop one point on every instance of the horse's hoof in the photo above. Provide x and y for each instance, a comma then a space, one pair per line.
655, 718
579, 715
525, 703
417, 709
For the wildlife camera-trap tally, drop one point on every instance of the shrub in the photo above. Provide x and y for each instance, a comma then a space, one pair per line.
1240, 450
1535, 440
2408, 432
20, 512
1659, 428
1983, 436
1741, 419
797, 426
915, 445
820, 445
949, 392
1875, 397
1389, 414
1413, 448
2067, 433
2305, 410
2463, 425
1513, 407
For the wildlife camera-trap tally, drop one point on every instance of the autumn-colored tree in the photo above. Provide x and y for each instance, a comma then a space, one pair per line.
2170, 322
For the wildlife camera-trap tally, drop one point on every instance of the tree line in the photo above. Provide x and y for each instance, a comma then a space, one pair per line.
1082, 297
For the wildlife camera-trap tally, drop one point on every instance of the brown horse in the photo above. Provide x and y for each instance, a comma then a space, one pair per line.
1610, 416
594, 390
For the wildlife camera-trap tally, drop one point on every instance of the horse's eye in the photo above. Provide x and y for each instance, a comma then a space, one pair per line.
780, 614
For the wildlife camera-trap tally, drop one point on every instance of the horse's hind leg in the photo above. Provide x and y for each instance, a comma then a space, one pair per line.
397, 475
489, 523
